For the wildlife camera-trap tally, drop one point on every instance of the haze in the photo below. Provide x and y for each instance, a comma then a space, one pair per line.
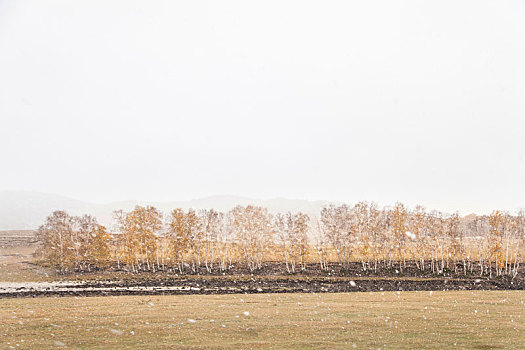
414, 101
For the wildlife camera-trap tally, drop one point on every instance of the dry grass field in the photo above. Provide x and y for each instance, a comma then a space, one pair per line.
17, 264
388, 320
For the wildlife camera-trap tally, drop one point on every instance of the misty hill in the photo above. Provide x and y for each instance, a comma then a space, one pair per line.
22, 210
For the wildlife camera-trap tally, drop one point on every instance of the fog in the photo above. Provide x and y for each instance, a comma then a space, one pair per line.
420, 102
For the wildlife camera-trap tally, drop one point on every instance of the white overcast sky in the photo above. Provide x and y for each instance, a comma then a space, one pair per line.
413, 101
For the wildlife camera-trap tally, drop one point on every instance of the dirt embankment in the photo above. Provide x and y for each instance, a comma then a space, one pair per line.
352, 269
247, 284
272, 278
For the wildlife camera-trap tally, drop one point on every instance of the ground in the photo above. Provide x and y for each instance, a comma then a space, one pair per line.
386, 320
438, 319
17, 264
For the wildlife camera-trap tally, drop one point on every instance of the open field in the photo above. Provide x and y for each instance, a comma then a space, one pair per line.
14, 238
17, 264
386, 320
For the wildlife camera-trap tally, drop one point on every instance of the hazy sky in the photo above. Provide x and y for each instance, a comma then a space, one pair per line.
416, 101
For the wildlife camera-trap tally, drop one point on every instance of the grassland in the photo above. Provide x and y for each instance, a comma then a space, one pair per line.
17, 264
388, 320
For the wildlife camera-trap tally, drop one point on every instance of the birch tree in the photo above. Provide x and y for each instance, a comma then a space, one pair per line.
336, 227
57, 237
253, 229
292, 232
139, 229
399, 230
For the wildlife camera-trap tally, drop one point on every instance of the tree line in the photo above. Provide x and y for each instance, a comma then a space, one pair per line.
187, 241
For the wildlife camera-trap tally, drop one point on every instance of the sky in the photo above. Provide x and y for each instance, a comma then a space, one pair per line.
415, 101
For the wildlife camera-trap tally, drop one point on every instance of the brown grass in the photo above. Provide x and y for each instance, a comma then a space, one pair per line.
406, 320
17, 264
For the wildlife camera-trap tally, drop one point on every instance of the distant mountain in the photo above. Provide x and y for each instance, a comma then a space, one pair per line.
22, 210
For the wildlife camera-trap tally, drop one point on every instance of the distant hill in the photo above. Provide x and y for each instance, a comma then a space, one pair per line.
22, 210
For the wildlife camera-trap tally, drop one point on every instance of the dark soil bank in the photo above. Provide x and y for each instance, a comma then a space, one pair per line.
271, 278
232, 285
352, 269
